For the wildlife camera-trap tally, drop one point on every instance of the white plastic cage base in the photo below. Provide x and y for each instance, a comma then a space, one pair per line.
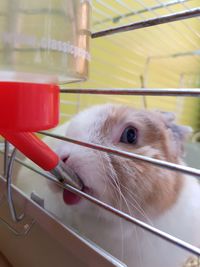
48, 242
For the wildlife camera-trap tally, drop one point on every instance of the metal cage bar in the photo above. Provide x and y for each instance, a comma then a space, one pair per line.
160, 163
136, 91
149, 23
169, 238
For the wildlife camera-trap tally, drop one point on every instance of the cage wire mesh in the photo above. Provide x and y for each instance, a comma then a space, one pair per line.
162, 56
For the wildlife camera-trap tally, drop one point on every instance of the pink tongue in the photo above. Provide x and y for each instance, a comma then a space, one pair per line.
70, 198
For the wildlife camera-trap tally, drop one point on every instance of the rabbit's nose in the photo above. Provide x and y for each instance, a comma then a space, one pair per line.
67, 174
65, 158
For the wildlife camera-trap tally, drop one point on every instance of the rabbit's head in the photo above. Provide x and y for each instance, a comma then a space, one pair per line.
130, 185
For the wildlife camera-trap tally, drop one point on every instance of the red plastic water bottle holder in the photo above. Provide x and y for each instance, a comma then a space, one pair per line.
25, 108
28, 106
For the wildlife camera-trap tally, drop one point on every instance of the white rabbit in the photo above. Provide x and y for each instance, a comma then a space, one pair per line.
165, 199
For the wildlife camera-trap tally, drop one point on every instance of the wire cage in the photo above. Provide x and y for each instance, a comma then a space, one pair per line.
143, 52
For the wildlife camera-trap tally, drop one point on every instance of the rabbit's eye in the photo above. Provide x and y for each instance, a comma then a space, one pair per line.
129, 135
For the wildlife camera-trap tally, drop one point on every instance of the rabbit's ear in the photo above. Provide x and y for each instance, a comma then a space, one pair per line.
168, 116
180, 132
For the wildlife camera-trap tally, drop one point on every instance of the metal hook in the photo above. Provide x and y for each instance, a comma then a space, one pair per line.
6, 158
27, 226
13, 213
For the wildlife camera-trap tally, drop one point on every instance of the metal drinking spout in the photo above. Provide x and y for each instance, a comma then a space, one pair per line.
36, 150
66, 175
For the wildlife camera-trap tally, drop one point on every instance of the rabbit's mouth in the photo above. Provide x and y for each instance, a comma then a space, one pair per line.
71, 198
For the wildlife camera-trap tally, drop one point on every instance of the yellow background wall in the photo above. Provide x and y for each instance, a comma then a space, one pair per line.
119, 61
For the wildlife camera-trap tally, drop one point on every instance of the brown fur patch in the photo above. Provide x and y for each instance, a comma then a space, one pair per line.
150, 186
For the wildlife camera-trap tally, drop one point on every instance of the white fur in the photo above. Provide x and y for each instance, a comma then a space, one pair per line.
134, 246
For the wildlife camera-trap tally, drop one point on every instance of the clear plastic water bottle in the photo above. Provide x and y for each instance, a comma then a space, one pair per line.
44, 41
